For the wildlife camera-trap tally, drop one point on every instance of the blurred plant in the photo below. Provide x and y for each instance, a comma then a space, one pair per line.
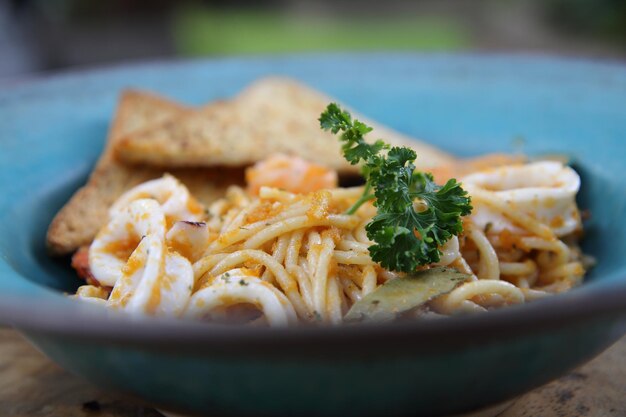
201, 31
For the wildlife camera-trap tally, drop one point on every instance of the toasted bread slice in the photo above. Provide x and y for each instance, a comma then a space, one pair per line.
79, 220
273, 115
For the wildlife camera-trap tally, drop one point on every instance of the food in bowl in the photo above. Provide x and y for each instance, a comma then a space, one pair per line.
289, 246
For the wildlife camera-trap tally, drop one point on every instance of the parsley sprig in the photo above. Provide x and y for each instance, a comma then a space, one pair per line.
415, 216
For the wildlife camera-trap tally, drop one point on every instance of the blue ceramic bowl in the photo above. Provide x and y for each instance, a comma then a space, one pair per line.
52, 130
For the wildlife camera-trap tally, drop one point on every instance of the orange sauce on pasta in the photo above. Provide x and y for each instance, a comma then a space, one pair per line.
266, 210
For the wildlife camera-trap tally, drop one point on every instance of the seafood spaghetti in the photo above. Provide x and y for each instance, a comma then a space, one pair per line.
272, 254
293, 247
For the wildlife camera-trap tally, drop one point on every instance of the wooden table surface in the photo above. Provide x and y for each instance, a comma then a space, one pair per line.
32, 386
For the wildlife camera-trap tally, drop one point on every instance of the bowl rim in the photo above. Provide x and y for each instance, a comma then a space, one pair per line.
605, 305
600, 302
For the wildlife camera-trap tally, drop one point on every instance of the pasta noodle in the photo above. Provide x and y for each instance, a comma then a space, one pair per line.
278, 257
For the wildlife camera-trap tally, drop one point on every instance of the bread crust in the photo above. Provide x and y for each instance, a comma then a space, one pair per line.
77, 223
273, 115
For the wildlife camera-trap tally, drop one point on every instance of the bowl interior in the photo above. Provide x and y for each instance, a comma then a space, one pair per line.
52, 131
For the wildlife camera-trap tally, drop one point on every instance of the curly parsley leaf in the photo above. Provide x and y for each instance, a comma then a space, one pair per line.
354, 146
415, 216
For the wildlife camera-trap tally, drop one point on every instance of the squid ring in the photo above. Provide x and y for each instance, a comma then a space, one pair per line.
235, 287
143, 220
165, 293
175, 199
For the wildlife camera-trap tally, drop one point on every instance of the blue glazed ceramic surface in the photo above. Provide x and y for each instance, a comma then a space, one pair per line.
52, 130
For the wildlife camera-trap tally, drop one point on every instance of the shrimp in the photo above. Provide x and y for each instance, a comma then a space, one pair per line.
289, 173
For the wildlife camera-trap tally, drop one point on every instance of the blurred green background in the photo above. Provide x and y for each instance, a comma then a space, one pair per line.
46, 35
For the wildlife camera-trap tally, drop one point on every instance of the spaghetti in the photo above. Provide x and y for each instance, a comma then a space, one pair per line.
271, 255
